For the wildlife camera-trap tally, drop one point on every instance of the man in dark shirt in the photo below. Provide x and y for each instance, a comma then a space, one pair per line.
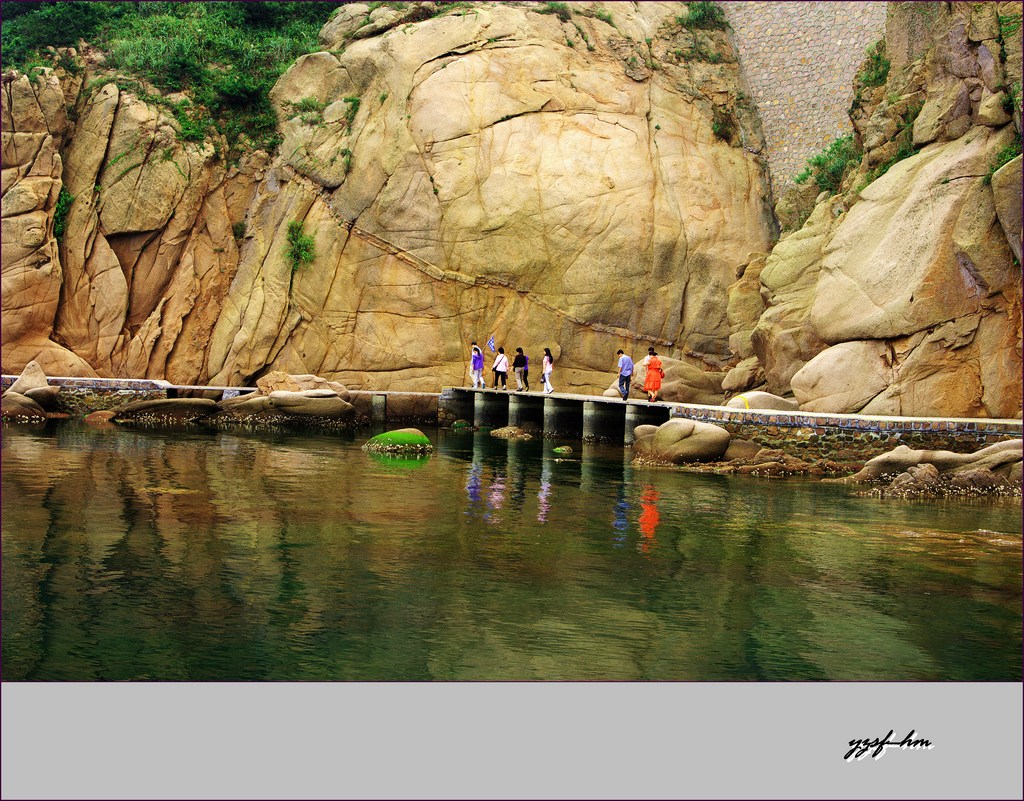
521, 366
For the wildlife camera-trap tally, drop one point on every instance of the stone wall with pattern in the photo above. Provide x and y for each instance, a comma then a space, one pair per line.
799, 60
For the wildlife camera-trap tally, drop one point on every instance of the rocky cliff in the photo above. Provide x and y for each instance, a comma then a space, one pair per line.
901, 294
580, 184
582, 178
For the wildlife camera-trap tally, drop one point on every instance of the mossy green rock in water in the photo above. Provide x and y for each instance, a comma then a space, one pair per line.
563, 449
403, 440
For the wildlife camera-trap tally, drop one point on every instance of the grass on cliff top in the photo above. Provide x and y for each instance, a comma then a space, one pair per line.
225, 55
703, 16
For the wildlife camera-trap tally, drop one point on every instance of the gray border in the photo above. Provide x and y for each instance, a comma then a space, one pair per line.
494, 740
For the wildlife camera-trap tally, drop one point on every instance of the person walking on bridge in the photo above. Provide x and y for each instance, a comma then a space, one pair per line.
655, 372
476, 368
625, 374
545, 374
520, 364
500, 368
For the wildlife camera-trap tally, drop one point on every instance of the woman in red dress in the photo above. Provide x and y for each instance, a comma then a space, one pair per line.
652, 381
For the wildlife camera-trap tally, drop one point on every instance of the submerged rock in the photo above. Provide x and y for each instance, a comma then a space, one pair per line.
510, 432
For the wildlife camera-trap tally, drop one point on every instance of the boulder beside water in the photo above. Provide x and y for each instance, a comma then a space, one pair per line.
402, 440
165, 410
30, 397
15, 406
679, 441
993, 470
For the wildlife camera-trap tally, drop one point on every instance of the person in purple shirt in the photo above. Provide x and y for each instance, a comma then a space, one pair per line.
476, 368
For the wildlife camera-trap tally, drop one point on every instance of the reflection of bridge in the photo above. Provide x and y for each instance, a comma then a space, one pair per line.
593, 418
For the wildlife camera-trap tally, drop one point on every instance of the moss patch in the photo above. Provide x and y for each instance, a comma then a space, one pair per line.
404, 440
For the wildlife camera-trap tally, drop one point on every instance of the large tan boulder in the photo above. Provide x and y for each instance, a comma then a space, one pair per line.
762, 400
458, 127
1006, 192
252, 403
949, 102
278, 381
679, 441
745, 306
784, 339
15, 406
843, 378
744, 376
311, 403
32, 377
877, 281
46, 397
165, 410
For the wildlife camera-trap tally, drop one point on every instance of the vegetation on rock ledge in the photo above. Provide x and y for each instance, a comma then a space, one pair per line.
704, 16
226, 56
829, 166
301, 247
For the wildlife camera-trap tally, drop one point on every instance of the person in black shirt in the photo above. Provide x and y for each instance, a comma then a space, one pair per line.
521, 366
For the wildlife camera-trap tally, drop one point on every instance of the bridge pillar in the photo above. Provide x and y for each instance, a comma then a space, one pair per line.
490, 409
523, 409
638, 414
379, 409
562, 418
456, 403
603, 422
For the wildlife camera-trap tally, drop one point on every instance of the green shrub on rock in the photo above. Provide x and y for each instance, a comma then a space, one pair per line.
829, 166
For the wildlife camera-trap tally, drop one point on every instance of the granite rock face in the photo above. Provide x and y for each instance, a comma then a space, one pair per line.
576, 184
901, 295
493, 170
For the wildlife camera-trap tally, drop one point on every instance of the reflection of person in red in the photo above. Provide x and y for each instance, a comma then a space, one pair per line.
649, 517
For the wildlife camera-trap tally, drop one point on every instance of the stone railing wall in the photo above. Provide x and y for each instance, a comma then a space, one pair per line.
798, 60
851, 435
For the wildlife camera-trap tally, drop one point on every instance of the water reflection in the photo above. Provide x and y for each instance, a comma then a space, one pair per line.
544, 493
135, 555
649, 518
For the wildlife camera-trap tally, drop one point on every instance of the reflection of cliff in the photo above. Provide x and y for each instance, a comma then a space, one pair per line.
131, 555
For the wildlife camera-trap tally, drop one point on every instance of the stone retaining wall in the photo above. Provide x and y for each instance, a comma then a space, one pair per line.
798, 60
847, 435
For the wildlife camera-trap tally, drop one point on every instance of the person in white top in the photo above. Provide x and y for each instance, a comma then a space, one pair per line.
500, 368
545, 375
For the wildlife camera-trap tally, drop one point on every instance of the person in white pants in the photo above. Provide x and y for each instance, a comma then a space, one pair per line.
545, 375
476, 368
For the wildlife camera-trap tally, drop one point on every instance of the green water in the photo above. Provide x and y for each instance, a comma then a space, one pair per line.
183, 556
